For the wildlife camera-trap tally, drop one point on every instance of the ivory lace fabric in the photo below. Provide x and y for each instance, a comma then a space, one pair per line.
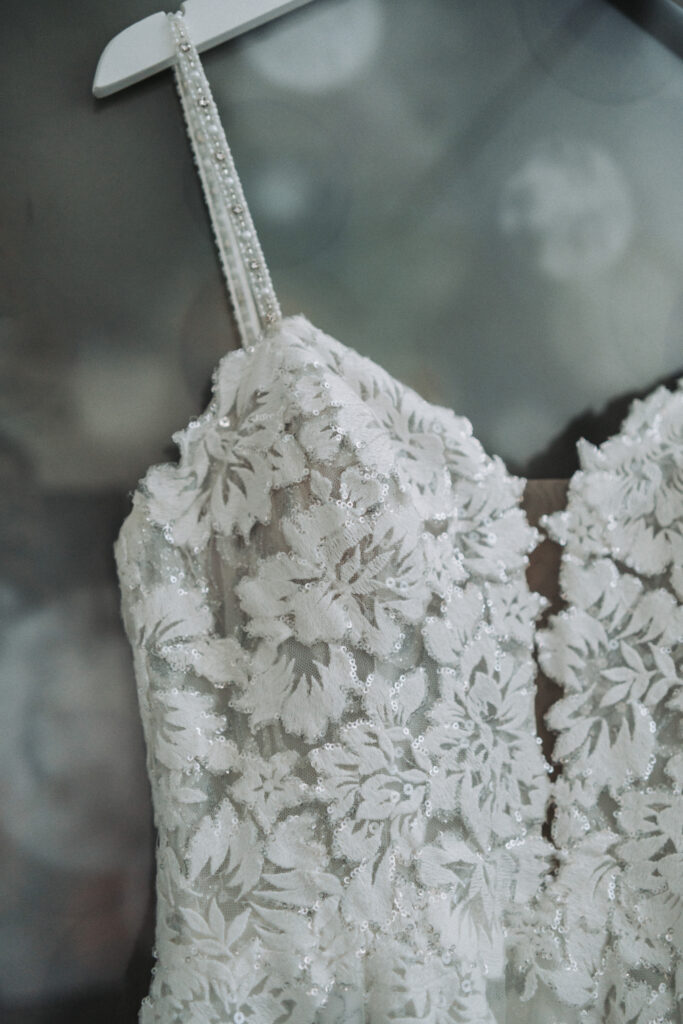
335, 646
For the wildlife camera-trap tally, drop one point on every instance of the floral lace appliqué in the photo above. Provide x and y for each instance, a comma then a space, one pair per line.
333, 639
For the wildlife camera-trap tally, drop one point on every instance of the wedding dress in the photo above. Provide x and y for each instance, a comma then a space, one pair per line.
335, 644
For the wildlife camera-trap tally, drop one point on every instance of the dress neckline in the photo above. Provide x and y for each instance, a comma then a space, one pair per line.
244, 266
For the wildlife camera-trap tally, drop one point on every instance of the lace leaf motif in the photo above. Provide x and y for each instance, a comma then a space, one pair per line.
327, 693
617, 651
332, 577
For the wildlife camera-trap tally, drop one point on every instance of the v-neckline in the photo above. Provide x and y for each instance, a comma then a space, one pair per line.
545, 497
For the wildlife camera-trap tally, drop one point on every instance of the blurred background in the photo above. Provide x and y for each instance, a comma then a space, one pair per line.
484, 198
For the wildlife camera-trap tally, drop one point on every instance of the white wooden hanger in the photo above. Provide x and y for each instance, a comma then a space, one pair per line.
146, 47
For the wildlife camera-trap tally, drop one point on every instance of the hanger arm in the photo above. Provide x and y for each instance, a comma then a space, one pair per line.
146, 47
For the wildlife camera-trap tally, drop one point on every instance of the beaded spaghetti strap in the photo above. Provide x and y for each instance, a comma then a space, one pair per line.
247, 276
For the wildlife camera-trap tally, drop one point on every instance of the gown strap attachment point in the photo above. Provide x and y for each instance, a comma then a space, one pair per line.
246, 272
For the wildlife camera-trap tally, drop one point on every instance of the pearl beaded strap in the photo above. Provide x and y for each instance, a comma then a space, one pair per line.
247, 276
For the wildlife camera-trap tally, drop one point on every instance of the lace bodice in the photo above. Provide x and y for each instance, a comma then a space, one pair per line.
335, 646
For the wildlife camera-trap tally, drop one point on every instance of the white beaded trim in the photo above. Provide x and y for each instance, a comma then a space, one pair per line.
246, 272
